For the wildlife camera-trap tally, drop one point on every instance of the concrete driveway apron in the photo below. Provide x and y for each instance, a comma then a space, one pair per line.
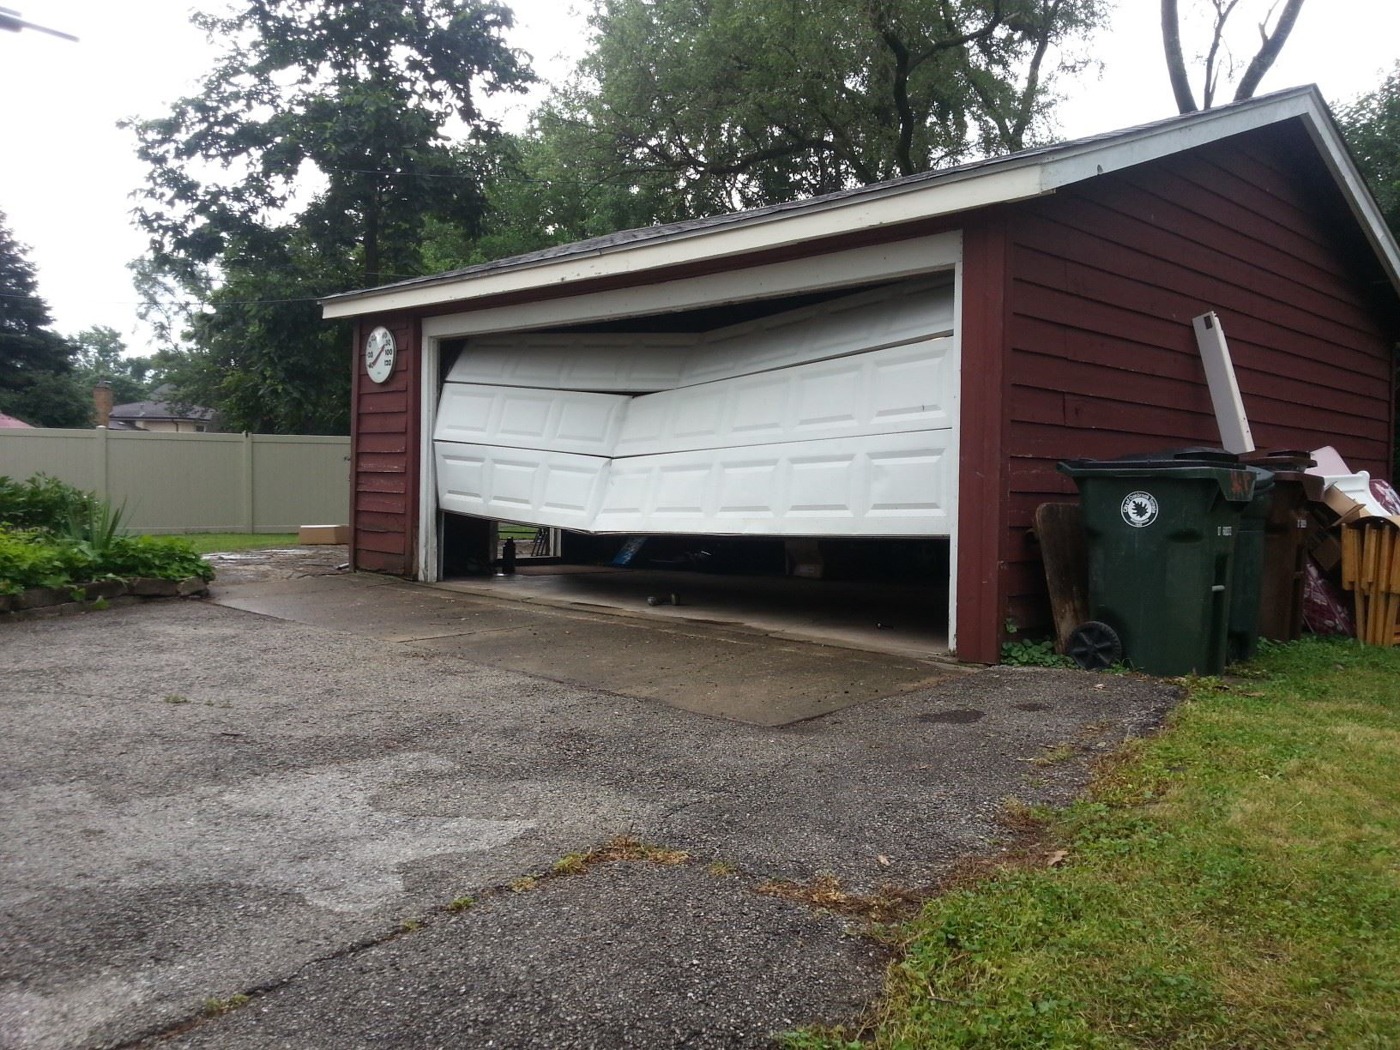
204, 803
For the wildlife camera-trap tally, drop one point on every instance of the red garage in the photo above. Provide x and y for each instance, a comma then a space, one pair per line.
886, 375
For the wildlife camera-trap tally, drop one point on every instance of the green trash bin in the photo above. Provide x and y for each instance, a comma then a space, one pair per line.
1161, 538
1247, 576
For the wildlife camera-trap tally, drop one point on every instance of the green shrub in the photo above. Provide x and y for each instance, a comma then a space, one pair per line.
42, 502
94, 528
1033, 654
53, 535
30, 559
159, 557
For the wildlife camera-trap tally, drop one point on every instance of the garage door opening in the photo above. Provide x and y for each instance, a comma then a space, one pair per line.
791, 465
884, 595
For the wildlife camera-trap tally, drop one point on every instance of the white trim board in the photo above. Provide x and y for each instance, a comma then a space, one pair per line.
915, 257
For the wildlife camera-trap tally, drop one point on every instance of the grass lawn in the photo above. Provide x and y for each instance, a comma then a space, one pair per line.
210, 542
1233, 882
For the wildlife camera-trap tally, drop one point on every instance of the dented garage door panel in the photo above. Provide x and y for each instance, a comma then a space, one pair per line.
827, 421
575, 362
560, 489
885, 485
899, 389
633, 364
521, 417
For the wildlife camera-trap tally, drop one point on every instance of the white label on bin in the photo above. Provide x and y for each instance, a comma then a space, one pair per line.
1225, 530
1139, 509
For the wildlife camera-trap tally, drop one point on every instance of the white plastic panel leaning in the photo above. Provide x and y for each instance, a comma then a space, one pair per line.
833, 420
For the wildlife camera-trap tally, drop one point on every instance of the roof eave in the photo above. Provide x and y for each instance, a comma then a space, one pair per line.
899, 205
1001, 182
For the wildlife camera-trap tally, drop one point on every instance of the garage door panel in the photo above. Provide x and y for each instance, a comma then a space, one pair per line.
636, 364
897, 480
519, 417
746, 489
593, 363
884, 391
825, 488
543, 488
834, 330
830, 421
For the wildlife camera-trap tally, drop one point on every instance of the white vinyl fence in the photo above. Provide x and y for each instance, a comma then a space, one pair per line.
194, 482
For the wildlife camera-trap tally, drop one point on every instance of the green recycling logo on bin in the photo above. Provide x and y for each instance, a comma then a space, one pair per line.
1139, 509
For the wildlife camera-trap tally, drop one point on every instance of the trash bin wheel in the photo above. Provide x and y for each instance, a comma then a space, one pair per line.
1094, 646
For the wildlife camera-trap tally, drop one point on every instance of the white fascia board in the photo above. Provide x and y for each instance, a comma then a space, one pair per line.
878, 262
1149, 144
897, 206
1338, 160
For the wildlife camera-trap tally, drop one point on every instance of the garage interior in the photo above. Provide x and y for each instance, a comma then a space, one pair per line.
771, 408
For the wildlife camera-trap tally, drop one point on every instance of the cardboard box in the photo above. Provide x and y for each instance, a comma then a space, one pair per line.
312, 535
1342, 505
1327, 551
804, 558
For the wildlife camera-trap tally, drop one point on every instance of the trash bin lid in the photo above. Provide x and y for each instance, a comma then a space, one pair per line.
1191, 453
1277, 459
1236, 482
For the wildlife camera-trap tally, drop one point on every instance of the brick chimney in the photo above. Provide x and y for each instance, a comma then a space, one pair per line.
101, 403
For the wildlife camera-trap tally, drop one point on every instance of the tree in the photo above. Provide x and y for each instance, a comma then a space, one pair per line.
1218, 58
99, 355
692, 107
307, 164
1371, 124
35, 362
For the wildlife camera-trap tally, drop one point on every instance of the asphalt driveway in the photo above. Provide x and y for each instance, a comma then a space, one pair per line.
204, 803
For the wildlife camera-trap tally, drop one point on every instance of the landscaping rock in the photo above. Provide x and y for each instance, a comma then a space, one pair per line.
41, 597
103, 589
144, 587
192, 586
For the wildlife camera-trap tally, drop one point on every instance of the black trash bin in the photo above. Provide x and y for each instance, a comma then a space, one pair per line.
1161, 537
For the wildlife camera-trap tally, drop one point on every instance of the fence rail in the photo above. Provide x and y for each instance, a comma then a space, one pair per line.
194, 482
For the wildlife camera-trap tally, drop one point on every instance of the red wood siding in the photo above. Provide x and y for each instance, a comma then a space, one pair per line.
1105, 279
982, 484
384, 448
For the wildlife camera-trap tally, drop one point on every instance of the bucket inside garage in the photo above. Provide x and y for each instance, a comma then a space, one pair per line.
786, 465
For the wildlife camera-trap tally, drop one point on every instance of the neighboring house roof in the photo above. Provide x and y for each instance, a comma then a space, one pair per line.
139, 411
949, 191
11, 423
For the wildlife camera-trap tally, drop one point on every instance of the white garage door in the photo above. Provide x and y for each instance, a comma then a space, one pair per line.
828, 421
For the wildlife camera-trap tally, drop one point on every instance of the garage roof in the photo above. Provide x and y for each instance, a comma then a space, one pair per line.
949, 191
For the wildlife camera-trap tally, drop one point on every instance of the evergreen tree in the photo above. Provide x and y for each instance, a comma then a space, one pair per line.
36, 363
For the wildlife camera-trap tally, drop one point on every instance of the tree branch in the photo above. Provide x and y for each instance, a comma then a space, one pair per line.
1176, 62
899, 87
1268, 50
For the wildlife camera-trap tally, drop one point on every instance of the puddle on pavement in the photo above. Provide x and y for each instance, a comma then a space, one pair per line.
961, 716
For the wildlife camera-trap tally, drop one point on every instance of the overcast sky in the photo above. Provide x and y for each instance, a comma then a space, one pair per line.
67, 172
